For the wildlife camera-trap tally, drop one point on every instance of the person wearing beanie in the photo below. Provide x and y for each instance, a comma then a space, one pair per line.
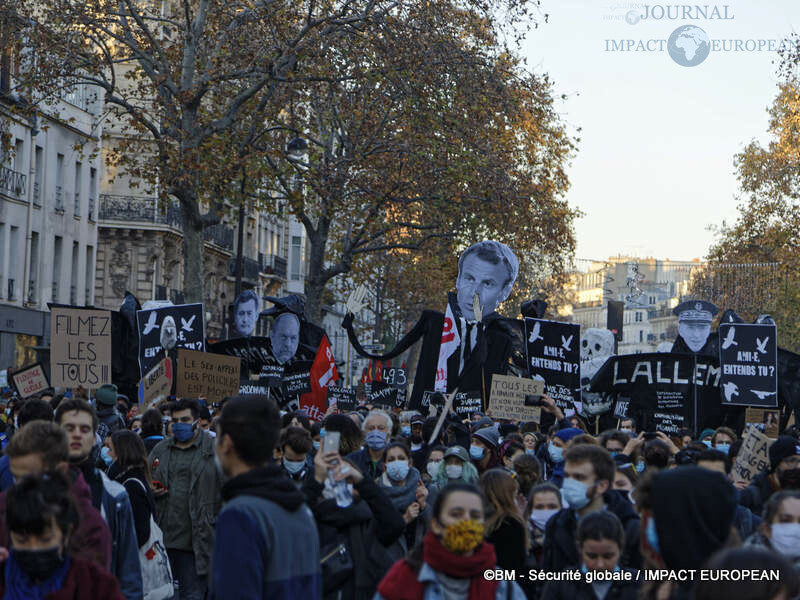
107, 413
687, 516
783, 474
551, 454
705, 437
483, 449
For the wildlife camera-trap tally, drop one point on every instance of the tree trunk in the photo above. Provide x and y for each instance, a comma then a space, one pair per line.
315, 283
193, 265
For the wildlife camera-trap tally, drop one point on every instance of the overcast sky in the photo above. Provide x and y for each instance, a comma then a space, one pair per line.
654, 167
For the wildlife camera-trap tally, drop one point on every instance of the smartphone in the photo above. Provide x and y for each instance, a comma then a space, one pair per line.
330, 443
650, 435
533, 400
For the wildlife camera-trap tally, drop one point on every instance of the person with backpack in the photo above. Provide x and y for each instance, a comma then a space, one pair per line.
131, 469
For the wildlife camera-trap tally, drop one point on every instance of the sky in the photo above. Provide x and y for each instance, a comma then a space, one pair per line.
654, 167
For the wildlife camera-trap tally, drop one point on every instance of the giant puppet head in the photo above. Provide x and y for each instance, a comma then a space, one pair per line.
488, 269
597, 345
694, 322
245, 313
284, 336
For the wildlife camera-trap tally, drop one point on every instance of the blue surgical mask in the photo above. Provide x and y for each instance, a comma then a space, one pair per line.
397, 470
613, 453
651, 534
574, 493
530, 451
105, 454
322, 432
726, 448
183, 432
556, 453
707, 443
640, 466
477, 452
316, 445
406, 430
585, 569
376, 440
294, 466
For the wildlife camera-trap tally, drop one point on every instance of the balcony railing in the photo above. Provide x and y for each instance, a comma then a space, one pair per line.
12, 183
145, 210
272, 264
250, 268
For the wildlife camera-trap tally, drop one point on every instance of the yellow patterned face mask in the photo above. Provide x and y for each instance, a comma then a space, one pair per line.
463, 537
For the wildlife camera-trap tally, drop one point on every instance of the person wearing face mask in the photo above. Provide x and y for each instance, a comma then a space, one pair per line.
294, 445
587, 488
450, 561
780, 529
483, 449
544, 502
783, 474
551, 454
722, 439
42, 519
457, 469
402, 484
434, 464
187, 497
377, 428
600, 540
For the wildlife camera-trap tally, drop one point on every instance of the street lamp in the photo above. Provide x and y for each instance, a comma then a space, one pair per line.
297, 149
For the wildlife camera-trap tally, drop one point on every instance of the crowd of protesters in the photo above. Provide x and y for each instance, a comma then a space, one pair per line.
243, 501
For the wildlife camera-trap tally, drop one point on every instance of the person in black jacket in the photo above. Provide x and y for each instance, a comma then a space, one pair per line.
588, 475
365, 529
600, 542
130, 468
783, 474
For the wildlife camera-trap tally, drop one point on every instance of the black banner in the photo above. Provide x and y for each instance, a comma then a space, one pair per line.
675, 391
554, 355
465, 404
189, 332
748, 355
382, 394
343, 397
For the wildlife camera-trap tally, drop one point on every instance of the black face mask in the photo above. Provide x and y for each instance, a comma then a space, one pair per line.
39, 564
789, 479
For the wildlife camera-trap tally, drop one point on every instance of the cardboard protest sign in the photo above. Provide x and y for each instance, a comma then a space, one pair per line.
213, 376
168, 328
763, 419
554, 355
343, 397
29, 380
507, 398
395, 377
80, 347
382, 394
158, 382
465, 404
753, 456
748, 355
664, 387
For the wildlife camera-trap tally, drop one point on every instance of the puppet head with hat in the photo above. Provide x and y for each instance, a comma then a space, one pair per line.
694, 322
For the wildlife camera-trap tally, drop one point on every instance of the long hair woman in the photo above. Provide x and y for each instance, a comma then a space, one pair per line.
131, 469
505, 526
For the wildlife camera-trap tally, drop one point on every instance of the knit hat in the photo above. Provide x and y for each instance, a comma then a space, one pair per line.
481, 423
781, 448
457, 451
107, 395
706, 432
567, 434
490, 435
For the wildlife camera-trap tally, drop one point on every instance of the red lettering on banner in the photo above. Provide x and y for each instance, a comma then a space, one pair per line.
448, 326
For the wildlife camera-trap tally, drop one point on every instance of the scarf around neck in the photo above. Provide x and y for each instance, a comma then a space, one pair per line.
401, 495
20, 587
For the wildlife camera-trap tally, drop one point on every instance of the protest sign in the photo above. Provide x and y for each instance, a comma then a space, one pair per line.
429, 398
507, 399
382, 394
80, 347
168, 328
465, 404
554, 355
158, 382
213, 376
621, 408
254, 388
29, 380
753, 456
763, 419
664, 387
748, 356
297, 379
343, 397
395, 376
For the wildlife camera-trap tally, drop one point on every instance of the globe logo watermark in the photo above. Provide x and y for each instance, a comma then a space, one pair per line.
689, 45
632, 17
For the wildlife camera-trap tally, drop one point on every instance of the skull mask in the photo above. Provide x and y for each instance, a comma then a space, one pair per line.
596, 346
596, 343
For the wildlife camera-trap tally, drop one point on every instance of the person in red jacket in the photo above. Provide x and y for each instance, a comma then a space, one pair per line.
39, 447
42, 516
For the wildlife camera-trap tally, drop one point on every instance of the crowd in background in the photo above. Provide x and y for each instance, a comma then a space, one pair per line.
239, 500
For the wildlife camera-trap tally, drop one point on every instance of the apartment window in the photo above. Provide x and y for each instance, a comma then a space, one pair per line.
78, 184
641, 336
2, 254
59, 204
295, 256
13, 268
19, 156
73, 277
32, 282
37, 176
89, 275
652, 299
638, 317
92, 192
56, 268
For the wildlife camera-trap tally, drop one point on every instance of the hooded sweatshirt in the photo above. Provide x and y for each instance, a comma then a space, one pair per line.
266, 543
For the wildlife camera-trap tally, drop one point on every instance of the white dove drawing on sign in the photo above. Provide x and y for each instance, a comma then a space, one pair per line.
762, 346
537, 327
187, 325
761, 395
731, 390
729, 341
151, 323
566, 343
